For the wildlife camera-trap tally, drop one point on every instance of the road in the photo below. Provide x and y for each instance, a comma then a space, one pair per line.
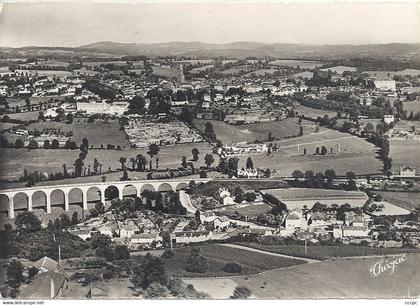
185, 200
308, 260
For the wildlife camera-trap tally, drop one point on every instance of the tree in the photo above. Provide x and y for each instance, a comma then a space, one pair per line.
350, 175
75, 218
100, 208
241, 292
195, 153
32, 144
65, 221
184, 162
153, 150
141, 162
156, 291
330, 175
15, 274
125, 176
209, 159
27, 222
121, 252
47, 144
150, 271
123, 160
249, 163
196, 262
209, 131
19, 143
78, 166
6, 240
324, 150
300, 131
297, 174
317, 150
232, 267
55, 144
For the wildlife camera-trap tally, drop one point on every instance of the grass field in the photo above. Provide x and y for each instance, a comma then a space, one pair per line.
328, 252
13, 161
97, 133
303, 64
45, 72
209, 188
298, 197
312, 112
250, 210
407, 200
231, 134
353, 150
201, 69
412, 106
404, 152
261, 72
165, 72
341, 278
217, 256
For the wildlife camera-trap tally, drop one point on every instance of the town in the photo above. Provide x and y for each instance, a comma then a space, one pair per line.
125, 175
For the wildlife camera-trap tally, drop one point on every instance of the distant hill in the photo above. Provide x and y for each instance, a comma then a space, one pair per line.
232, 50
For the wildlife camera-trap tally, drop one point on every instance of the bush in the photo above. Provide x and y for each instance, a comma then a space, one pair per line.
241, 292
232, 267
168, 254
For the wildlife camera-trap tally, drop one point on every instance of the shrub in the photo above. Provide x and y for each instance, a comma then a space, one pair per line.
241, 292
168, 254
232, 267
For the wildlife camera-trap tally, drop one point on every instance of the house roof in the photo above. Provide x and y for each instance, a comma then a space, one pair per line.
293, 216
40, 287
47, 263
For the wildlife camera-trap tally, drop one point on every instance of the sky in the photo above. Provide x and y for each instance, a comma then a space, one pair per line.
76, 24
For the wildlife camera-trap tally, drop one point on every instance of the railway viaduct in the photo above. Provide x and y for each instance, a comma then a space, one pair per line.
51, 192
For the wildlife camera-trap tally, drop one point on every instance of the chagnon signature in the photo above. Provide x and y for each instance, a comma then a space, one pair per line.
384, 265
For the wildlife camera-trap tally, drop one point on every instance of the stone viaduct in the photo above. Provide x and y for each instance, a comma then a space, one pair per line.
136, 186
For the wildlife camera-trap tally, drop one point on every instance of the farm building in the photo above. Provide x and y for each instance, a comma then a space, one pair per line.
407, 171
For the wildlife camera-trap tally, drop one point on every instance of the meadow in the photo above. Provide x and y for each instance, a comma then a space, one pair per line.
340, 278
404, 152
312, 112
249, 210
412, 106
14, 161
303, 64
165, 72
217, 256
319, 252
347, 149
406, 200
232, 134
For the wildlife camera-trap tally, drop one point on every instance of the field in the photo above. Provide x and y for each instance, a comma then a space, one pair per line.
407, 200
201, 69
209, 188
327, 252
237, 70
404, 152
312, 112
261, 72
412, 106
341, 278
298, 197
165, 72
232, 134
340, 69
347, 150
45, 72
249, 210
303, 64
97, 133
13, 161
217, 256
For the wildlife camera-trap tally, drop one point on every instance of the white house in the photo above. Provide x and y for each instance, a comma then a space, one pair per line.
147, 239
187, 237
389, 118
221, 222
385, 85
407, 171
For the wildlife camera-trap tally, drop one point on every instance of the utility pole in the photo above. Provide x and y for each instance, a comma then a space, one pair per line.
306, 247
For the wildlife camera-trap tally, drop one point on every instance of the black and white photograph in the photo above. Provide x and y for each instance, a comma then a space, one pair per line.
198, 150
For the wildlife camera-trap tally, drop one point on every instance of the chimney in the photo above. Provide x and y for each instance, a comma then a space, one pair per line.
52, 295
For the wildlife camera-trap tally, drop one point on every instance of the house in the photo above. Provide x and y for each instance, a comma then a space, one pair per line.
224, 197
407, 171
295, 220
221, 222
147, 239
355, 231
207, 216
46, 264
389, 118
317, 219
128, 229
81, 233
46, 285
186, 237
385, 85
247, 173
